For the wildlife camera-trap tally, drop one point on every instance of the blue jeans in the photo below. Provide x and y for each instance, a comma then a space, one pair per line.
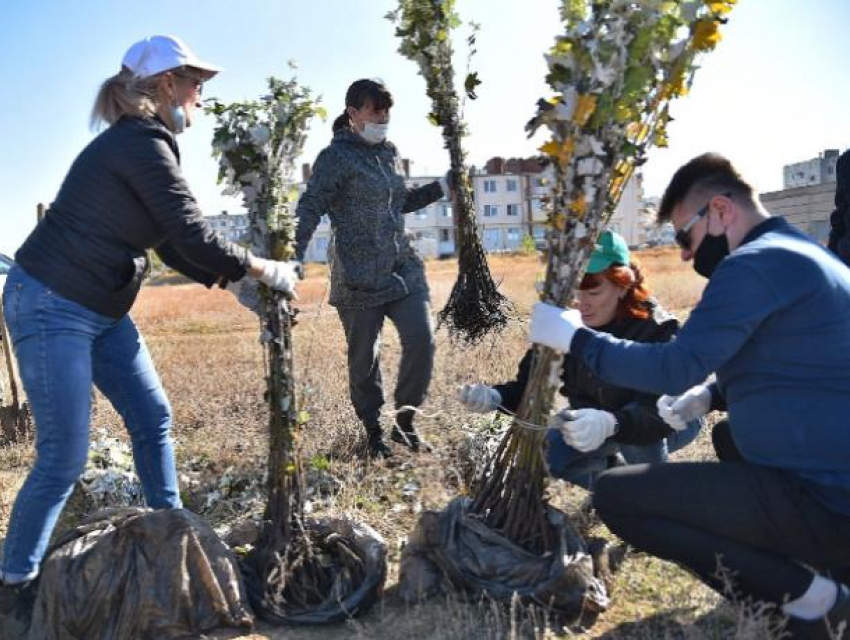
62, 348
582, 468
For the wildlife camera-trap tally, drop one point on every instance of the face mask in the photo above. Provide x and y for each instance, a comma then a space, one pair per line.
178, 118
374, 133
710, 253
177, 113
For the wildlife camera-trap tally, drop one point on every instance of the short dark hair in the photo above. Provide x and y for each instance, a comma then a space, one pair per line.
709, 172
359, 93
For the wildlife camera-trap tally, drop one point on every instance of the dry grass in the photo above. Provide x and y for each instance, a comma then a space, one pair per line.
206, 351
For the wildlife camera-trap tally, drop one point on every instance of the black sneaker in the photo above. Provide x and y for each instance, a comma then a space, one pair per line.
16, 605
836, 623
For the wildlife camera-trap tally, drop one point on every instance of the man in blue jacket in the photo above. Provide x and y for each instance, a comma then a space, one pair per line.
772, 517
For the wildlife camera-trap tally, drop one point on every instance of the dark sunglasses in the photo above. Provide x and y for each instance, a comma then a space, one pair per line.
197, 83
683, 235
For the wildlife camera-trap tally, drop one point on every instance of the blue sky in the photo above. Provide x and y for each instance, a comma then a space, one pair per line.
775, 91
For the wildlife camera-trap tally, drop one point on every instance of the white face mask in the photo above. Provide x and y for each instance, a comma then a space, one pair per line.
374, 133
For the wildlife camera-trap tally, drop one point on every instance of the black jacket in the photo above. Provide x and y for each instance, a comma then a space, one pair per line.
124, 194
839, 221
636, 413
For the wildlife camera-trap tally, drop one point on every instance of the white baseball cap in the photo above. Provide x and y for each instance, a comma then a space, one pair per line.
156, 54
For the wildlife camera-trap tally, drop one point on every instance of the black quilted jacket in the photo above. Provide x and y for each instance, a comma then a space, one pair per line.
361, 188
125, 194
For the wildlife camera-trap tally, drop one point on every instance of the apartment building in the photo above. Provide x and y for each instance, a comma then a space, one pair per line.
509, 199
808, 173
232, 226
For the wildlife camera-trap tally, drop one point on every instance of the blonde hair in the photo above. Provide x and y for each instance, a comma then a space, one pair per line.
124, 94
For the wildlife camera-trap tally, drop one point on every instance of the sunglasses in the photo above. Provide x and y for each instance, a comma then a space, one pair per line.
197, 83
683, 235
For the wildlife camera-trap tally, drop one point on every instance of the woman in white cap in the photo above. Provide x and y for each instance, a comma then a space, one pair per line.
606, 425
77, 275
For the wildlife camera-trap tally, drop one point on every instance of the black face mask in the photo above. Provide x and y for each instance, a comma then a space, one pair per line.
710, 253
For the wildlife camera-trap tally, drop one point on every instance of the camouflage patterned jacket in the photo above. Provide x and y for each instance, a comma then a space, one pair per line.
362, 190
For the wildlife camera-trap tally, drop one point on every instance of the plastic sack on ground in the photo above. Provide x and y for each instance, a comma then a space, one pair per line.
336, 572
454, 549
132, 573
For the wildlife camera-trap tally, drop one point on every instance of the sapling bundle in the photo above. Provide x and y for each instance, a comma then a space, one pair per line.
302, 571
614, 72
14, 414
475, 305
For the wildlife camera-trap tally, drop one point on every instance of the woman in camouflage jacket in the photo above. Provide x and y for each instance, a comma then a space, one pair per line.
359, 183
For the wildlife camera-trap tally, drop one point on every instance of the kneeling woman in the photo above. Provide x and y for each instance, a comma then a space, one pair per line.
609, 425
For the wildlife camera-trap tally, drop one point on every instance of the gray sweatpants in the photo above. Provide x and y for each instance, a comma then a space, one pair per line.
412, 318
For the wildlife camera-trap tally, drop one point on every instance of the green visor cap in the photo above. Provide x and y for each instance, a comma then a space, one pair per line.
610, 249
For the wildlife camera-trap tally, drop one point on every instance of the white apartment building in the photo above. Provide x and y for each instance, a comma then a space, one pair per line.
808, 173
508, 207
232, 227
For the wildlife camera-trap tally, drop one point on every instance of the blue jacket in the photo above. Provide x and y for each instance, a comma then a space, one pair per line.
774, 325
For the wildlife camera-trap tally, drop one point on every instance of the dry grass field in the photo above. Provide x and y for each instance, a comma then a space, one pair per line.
206, 350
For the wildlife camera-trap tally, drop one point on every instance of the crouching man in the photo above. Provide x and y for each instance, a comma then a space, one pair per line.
773, 324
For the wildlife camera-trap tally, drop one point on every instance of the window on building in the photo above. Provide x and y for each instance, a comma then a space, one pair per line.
444, 235
447, 211
511, 184
513, 209
491, 210
489, 186
513, 237
422, 214
492, 240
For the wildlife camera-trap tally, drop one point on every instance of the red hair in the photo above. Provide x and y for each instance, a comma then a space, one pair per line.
634, 304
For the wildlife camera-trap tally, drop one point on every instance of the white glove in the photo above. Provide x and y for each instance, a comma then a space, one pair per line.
554, 327
678, 411
584, 429
480, 398
280, 276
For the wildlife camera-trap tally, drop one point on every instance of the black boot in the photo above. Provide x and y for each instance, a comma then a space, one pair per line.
16, 604
405, 433
375, 445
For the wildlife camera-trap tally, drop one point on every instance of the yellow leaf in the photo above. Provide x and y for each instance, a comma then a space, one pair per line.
579, 206
720, 7
585, 106
550, 148
636, 131
706, 34
561, 152
559, 221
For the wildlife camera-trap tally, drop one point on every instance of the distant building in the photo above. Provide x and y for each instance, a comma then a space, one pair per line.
820, 170
807, 208
231, 226
509, 205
